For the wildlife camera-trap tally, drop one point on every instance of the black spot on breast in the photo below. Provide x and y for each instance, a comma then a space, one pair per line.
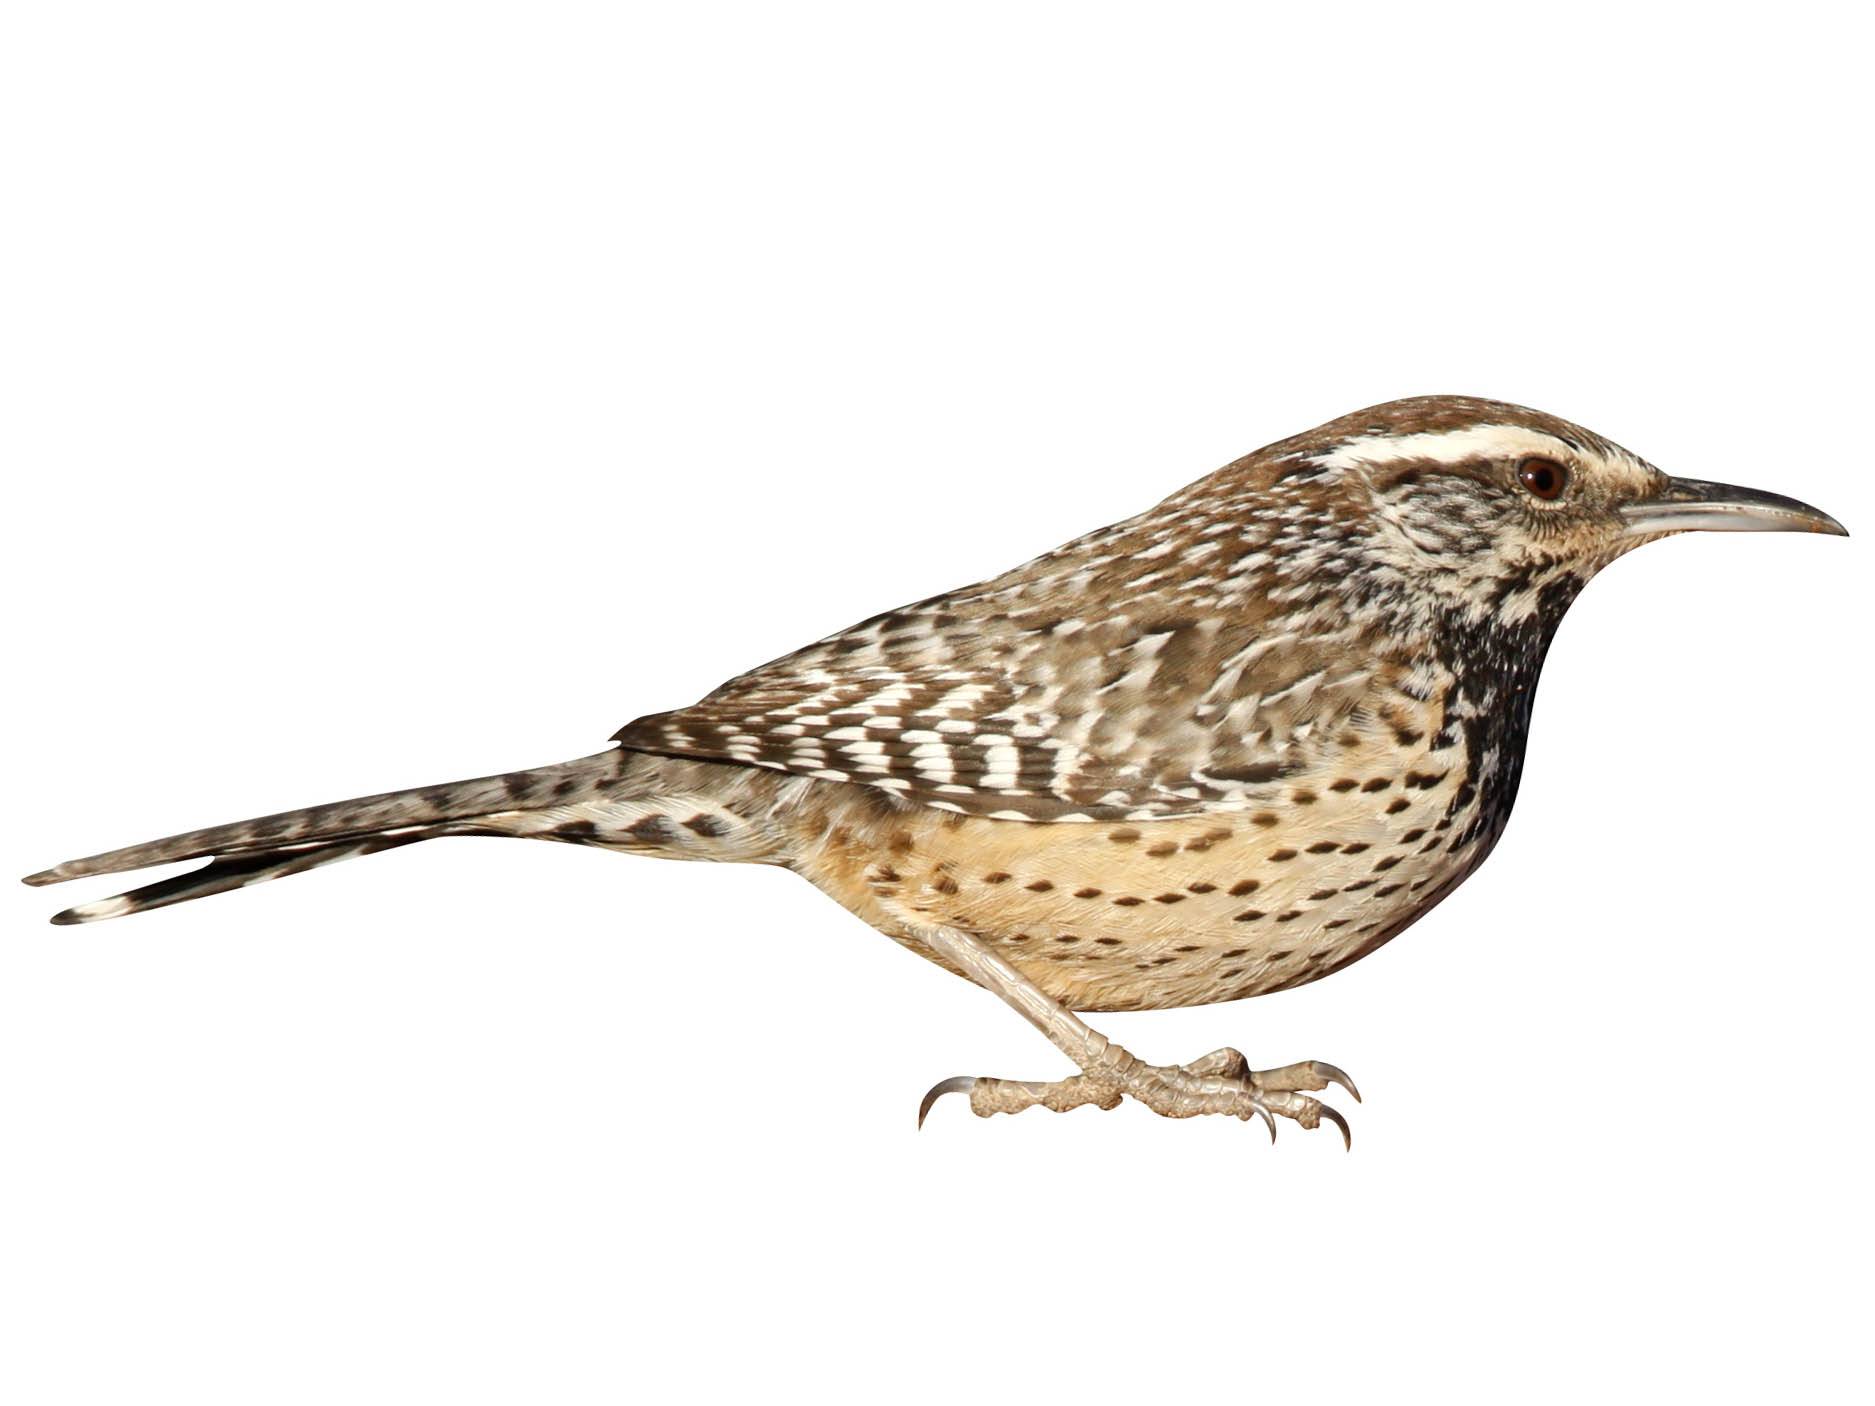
1170, 898
1282, 855
1244, 886
1128, 902
1123, 837
1253, 774
1250, 916
1087, 893
1323, 847
711, 827
1039, 886
653, 829
1162, 849
1379, 783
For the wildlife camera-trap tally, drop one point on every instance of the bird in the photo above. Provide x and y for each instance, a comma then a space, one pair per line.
1222, 748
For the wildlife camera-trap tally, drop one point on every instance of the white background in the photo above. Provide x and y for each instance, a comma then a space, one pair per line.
397, 392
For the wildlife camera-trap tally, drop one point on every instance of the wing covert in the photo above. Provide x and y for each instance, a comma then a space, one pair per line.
1159, 667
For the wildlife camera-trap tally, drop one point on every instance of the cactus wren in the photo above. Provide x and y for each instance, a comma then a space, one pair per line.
1222, 748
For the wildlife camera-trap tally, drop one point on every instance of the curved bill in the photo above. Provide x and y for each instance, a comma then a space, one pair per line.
1692, 505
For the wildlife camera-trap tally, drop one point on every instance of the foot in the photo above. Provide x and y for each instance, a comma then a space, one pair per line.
1220, 1082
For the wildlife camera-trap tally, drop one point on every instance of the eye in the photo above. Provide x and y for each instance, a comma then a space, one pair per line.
1545, 478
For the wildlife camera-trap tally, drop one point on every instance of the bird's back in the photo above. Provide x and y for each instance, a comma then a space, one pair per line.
1200, 754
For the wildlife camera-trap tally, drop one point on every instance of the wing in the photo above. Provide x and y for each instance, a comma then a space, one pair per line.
1096, 683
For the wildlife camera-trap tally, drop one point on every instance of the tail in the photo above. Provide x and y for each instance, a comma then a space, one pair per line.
253, 851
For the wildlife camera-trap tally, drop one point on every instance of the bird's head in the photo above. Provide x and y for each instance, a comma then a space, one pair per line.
1506, 512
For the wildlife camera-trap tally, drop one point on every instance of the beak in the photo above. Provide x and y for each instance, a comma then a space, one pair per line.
1692, 505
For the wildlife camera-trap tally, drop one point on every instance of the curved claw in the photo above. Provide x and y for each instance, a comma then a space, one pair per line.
1268, 1118
962, 1084
1347, 1138
1335, 1075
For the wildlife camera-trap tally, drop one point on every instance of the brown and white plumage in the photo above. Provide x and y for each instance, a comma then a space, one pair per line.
1220, 748
1172, 664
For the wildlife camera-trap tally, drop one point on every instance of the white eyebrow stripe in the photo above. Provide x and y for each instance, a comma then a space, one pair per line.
1446, 447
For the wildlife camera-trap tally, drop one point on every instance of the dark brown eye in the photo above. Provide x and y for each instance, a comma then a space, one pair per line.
1544, 477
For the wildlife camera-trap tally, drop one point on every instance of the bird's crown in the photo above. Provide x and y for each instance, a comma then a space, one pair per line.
1458, 503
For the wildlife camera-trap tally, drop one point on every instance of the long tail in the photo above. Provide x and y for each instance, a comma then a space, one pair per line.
273, 846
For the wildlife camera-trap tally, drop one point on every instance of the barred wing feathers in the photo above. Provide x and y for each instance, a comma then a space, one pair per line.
1145, 671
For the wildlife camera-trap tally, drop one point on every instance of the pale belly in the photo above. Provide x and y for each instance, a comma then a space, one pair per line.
1165, 913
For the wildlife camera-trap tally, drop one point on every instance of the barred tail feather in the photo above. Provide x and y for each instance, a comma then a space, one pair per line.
291, 842
235, 872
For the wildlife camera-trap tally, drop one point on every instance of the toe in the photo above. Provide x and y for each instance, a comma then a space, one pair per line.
1309, 1112
1227, 1063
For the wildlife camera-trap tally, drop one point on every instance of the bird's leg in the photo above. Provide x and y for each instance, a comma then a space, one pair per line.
1220, 1082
